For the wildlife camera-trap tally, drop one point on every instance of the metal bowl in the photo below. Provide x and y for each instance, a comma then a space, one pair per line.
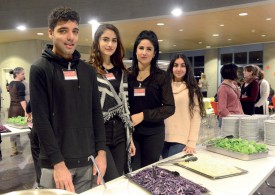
41, 192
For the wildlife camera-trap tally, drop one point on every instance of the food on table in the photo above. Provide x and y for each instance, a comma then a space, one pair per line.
238, 145
162, 181
20, 120
3, 129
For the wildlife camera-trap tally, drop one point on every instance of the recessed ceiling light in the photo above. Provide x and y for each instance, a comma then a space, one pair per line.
176, 12
268, 19
174, 45
21, 27
160, 24
253, 30
263, 35
200, 42
229, 39
160, 40
215, 35
243, 14
40, 34
221, 24
180, 29
208, 46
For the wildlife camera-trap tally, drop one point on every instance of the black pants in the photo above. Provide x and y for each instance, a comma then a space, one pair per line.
148, 149
259, 110
35, 150
116, 148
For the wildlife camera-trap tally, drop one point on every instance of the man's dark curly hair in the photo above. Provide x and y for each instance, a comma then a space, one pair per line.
62, 14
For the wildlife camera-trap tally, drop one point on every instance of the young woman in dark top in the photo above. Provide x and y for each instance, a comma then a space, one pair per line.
249, 89
150, 98
106, 56
17, 104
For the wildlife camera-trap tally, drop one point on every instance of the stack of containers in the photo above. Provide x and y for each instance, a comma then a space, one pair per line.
249, 128
269, 132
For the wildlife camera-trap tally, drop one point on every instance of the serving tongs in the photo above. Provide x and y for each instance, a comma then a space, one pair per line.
184, 158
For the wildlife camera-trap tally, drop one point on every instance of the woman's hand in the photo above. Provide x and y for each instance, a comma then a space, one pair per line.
132, 147
137, 118
189, 150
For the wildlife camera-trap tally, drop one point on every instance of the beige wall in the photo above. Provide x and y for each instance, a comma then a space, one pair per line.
16, 54
211, 70
269, 63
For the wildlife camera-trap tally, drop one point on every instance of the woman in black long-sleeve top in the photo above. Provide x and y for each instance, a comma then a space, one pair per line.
150, 98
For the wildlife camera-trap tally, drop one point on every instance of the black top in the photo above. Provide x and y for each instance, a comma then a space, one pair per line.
157, 104
117, 72
251, 91
67, 115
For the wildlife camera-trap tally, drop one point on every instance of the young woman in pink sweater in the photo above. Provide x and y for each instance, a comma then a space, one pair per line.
182, 128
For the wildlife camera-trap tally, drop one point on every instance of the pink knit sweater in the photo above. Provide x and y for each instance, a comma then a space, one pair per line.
180, 127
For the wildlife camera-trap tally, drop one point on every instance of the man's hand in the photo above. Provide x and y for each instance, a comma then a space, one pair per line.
102, 165
62, 177
137, 118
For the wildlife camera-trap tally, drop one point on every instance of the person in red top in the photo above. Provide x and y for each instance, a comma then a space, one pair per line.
249, 89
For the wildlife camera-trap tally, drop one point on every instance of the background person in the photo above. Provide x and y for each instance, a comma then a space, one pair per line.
203, 85
249, 89
17, 105
66, 109
261, 106
229, 93
182, 128
106, 57
150, 98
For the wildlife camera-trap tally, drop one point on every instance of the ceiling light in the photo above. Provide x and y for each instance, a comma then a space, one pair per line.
268, 19
208, 46
229, 39
263, 35
215, 35
160, 24
200, 42
221, 24
253, 30
176, 12
180, 29
174, 45
40, 34
160, 40
243, 14
21, 27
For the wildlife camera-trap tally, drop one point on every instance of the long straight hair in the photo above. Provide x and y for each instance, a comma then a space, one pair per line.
191, 83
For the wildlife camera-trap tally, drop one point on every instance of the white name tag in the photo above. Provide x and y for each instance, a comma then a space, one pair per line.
70, 74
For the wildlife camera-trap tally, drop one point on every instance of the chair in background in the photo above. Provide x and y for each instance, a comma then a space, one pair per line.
272, 107
215, 108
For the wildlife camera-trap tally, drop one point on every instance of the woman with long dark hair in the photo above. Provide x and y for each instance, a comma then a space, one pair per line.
182, 128
151, 100
106, 56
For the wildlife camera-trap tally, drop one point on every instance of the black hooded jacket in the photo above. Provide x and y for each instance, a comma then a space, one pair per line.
67, 114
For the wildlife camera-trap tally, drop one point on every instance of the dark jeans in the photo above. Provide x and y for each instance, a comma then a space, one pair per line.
204, 93
35, 150
148, 149
171, 148
259, 110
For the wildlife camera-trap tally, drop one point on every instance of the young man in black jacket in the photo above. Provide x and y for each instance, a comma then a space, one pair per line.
66, 110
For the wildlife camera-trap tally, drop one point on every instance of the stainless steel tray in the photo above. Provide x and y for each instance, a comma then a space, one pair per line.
17, 126
241, 171
236, 155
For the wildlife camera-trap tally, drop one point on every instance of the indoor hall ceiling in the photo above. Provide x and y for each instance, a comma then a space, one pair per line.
196, 27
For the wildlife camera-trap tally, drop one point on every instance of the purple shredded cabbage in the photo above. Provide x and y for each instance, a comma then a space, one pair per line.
166, 183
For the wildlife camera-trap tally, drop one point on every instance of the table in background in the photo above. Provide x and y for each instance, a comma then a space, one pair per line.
14, 131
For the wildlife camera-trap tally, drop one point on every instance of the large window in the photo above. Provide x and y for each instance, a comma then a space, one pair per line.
226, 58
255, 57
240, 58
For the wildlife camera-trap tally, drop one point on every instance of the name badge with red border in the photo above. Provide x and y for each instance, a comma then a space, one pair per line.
70, 74
139, 91
110, 76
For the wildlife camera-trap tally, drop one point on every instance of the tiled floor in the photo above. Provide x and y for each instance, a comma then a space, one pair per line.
17, 173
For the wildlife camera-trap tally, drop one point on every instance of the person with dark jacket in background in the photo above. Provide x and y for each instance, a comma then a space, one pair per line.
66, 109
150, 98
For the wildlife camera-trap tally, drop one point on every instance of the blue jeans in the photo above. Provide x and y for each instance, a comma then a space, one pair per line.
171, 148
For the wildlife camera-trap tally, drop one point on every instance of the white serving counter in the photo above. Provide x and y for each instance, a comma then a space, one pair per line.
15, 131
258, 171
